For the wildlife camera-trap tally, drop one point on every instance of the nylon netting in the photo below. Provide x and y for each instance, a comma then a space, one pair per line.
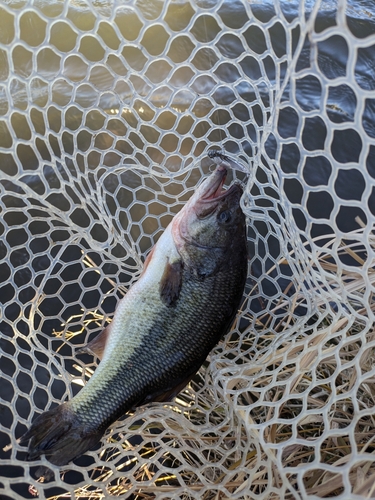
107, 112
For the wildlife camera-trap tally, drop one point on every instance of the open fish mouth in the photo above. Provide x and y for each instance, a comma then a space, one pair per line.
214, 190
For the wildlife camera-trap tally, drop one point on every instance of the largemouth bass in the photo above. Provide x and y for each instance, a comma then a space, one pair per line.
163, 329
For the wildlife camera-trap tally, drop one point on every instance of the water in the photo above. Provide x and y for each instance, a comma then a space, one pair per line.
68, 74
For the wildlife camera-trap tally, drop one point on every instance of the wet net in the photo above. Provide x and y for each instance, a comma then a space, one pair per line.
107, 111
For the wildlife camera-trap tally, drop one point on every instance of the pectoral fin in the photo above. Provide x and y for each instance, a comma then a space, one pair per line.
170, 283
169, 394
97, 345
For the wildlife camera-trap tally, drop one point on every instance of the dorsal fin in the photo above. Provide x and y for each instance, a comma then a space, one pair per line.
170, 283
97, 345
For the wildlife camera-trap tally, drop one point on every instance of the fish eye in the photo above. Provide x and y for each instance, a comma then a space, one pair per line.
224, 216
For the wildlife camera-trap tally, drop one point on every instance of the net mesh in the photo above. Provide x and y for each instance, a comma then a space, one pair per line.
107, 113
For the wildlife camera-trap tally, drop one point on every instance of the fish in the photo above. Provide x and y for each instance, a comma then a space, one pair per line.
162, 331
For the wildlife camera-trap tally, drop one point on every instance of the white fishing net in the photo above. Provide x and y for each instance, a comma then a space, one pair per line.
107, 112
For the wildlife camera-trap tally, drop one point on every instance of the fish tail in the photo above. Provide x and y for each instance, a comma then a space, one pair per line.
60, 435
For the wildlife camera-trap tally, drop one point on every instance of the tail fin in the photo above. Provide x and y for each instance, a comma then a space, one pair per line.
60, 435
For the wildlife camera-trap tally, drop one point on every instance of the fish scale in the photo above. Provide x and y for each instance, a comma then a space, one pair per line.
126, 384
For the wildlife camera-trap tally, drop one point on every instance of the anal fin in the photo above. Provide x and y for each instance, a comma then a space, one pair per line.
168, 393
171, 393
97, 345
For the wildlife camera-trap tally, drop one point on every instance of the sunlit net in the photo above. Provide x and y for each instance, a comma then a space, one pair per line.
107, 111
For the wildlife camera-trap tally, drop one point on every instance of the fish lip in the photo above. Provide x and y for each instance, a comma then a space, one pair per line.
221, 193
234, 187
216, 184
214, 191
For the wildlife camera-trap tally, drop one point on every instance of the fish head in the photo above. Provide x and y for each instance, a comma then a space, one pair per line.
212, 220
